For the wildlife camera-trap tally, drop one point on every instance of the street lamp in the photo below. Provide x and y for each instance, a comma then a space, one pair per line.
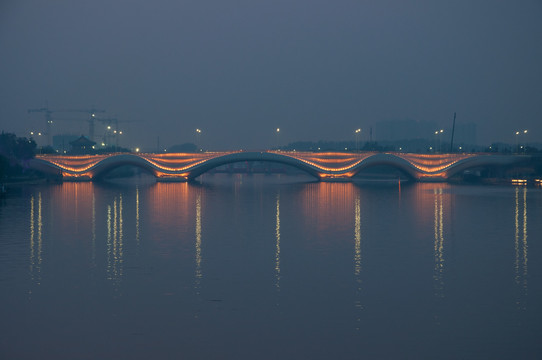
517, 140
437, 133
198, 139
278, 136
32, 133
357, 132
117, 133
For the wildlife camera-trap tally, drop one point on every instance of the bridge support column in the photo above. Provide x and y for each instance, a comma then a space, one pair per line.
335, 177
432, 179
172, 179
76, 178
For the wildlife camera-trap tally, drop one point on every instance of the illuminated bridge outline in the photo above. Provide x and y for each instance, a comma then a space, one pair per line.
325, 166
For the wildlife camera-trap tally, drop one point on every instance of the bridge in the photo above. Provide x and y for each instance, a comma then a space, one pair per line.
325, 166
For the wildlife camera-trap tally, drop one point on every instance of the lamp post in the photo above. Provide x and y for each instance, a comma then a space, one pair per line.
116, 134
357, 132
198, 139
32, 133
437, 140
278, 138
517, 139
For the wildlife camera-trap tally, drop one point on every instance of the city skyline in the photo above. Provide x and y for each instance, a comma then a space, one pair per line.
239, 71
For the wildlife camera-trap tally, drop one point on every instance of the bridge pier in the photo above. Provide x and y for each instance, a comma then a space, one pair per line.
76, 178
336, 179
428, 179
172, 179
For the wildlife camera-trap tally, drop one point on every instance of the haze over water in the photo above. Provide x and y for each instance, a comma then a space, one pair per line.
266, 267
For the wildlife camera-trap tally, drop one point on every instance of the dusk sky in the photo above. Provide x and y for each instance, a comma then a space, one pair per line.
240, 69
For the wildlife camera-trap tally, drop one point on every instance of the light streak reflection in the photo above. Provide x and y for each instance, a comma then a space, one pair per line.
32, 251
36, 224
199, 273
40, 226
277, 244
357, 236
109, 243
137, 219
438, 246
115, 242
93, 244
521, 246
328, 205
357, 259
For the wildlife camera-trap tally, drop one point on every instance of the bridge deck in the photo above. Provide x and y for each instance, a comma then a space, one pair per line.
323, 165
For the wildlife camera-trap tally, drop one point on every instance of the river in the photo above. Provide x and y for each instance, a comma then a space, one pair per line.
270, 267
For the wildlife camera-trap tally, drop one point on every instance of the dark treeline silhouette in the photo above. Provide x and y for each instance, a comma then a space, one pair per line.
14, 154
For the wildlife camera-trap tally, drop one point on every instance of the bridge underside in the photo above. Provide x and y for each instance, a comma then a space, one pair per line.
323, 166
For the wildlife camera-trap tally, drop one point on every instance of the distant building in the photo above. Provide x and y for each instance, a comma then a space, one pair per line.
394, 130
82, 145
61, 143
399, 130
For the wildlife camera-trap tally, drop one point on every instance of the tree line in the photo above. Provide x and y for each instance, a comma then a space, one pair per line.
14, 154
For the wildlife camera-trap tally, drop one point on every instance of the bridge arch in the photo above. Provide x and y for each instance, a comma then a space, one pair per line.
110, 163
486, 161
252, 156
390, 160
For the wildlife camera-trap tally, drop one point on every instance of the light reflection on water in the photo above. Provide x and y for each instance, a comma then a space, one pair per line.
267, 267
277, 246
115, 242
520, 246
439, 243
357, 259
199, 274
35, 240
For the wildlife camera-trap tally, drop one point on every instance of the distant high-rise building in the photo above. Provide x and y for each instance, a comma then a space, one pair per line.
399, 130
395, 130
82, 145
61, 143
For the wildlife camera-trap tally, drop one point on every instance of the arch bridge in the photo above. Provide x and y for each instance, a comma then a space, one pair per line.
325, 166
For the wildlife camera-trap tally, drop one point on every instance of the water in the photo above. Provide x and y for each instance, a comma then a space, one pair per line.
267, 267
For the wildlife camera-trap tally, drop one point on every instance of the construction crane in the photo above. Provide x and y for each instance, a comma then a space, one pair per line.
108, 130
92, 117
112, 130
49, 119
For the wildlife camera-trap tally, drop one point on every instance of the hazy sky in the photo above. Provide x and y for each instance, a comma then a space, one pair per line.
240, 69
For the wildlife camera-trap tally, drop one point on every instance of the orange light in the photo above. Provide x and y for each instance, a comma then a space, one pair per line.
328, 164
